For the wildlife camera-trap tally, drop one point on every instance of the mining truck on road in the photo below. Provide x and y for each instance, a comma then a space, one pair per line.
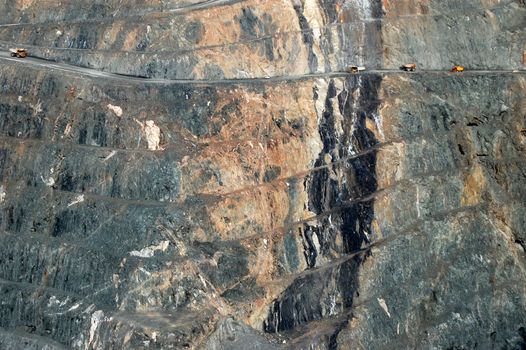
457, 69
18, 52
355, 69
410, 67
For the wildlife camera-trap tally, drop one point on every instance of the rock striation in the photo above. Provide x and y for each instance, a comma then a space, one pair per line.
205, 174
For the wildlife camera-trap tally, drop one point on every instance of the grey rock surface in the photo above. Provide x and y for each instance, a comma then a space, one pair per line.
207, 175
231, 334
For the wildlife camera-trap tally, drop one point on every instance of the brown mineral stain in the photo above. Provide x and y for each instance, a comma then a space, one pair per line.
256, 203
24, 4
20, 149
369, 124
473, 186
222, 23
376, 229
253, 60
245, 142
392, 169
383, 208
131, 40
110, 37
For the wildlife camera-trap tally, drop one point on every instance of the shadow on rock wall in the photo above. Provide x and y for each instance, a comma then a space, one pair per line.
339, 194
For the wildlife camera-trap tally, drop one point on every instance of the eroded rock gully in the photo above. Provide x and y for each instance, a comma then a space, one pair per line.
204, 174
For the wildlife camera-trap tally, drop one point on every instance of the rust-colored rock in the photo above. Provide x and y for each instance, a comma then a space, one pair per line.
206, 174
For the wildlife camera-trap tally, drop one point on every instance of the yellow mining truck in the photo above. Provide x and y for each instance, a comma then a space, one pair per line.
355, 69
410, 67
457, 69
18, 52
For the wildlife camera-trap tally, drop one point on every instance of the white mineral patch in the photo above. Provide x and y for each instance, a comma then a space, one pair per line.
112, 153
89, 309
53, 301
48, 182
242, 74
2, 194
78, 199
74, 307
311, 11
332, 305
148, 273
116, 280
363, 7
148, 252
202, 280
152, 134
378, 124
67, 129
96, 319
115, 109
37, 107
383, 305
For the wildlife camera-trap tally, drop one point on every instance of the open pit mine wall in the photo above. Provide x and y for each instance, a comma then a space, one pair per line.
378, 210
253, 38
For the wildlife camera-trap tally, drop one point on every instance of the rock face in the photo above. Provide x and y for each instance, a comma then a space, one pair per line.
193, 174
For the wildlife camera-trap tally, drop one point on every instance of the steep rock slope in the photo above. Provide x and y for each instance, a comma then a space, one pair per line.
314, 209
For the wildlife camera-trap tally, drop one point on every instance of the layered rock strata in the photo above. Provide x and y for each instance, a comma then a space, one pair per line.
265, 199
